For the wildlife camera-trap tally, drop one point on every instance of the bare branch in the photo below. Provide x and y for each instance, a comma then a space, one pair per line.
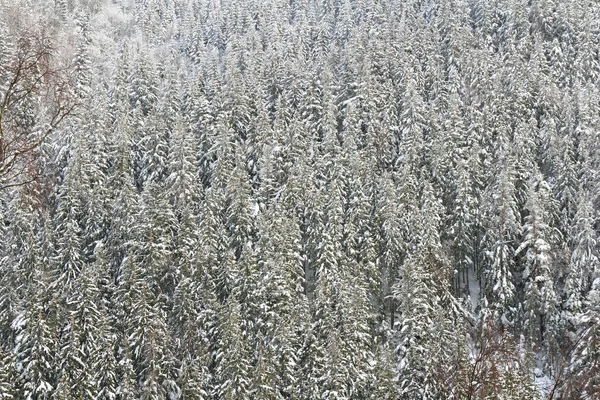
33, 85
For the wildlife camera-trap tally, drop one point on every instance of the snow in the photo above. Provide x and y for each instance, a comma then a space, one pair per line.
305, 178
474, 289
543, 383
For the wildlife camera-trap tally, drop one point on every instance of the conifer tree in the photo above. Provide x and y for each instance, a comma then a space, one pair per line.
104, 360
7, 375
420, 293
501, 239
585, 264
583, 372
36, 340
233, 357
80, 338
541, 301
149, 339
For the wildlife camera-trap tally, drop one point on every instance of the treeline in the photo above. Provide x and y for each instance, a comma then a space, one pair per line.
334, 199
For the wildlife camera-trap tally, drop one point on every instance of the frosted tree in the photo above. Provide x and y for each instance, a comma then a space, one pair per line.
503, 223
36, 340
426, 305
216, 259
7, 377
463, 229
567, 183
240, 208
21, 251
104, 360
233, 358
79, 340
143, 85
190, 302
541, 301
397, 207
585, 264
153, 143
154, 236
282, 294
586, 65
584, 369
29, 111
412, 121
324, 367
82, 59
123, 201
182, 181
148, 337
69, 258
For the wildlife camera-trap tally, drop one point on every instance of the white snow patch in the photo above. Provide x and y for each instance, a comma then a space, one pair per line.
474, 288
544, 385
543, 382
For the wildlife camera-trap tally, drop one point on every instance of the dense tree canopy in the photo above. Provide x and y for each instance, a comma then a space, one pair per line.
303, 199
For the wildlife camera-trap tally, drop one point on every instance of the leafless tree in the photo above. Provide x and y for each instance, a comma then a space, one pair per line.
493, 369
35, 98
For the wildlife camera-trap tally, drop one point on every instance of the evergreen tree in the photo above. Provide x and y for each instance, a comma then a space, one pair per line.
501, 238
7, 376
233, 357
423, 294
149, 339
583, 371
36, 340
105, 362
584, 265
80, 338
541, 301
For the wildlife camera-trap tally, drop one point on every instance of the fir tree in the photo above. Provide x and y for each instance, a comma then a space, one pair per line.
541, 301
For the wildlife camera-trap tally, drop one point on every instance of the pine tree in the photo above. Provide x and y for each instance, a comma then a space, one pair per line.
192, 350
80, 339
82, 59
149, 339
283, 306
7, 376
503, 229
155, 230
567, 184
104, 360
36, 340
412, 120
23, 248
69, 258
584, 369
233, 357
585, 264
128, 385
238, 215
123, 201
143, 89
541, 301
463, 226
153, 148
216, 259
426, 305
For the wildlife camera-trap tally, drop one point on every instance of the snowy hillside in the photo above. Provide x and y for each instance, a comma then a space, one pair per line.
299, 199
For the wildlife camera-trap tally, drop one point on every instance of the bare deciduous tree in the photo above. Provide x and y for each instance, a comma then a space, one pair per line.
34, 99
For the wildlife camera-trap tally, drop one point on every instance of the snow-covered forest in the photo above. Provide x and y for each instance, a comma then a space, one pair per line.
299, 199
